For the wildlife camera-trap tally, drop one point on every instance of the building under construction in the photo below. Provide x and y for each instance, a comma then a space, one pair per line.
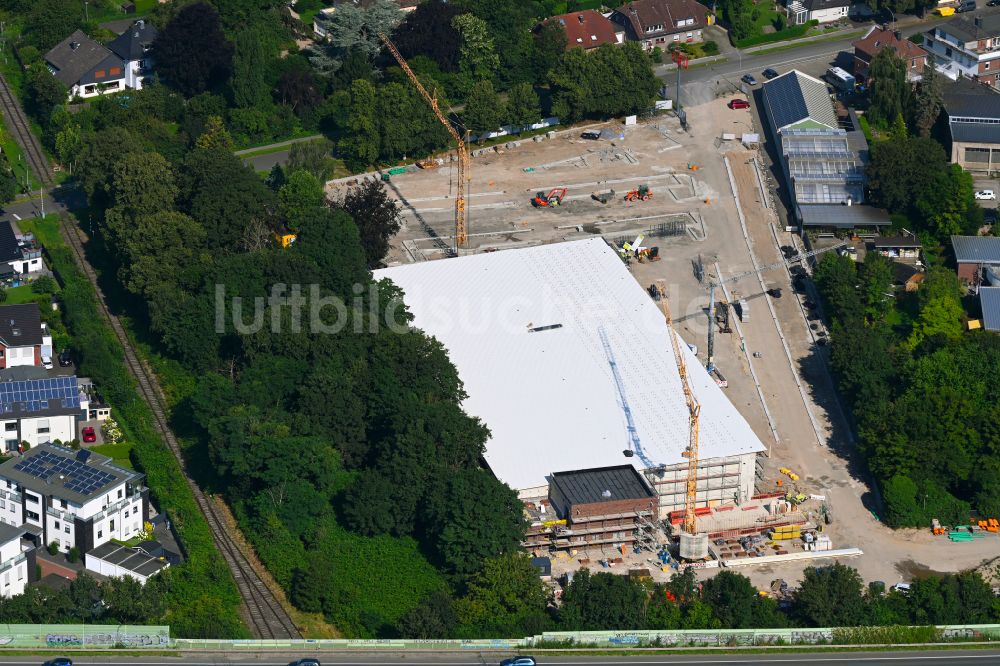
568, 361
594, 507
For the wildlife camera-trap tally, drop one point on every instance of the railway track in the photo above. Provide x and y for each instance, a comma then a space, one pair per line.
18, 124
263, 613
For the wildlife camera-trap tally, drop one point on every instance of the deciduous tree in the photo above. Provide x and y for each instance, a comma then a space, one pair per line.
377, 218
192, 53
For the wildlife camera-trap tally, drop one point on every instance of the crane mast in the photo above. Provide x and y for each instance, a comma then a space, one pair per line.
461, 234
694, 410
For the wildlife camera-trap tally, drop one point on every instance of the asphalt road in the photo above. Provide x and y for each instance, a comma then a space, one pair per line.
813, 57
944, 658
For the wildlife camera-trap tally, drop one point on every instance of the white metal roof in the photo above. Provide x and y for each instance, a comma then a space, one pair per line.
549, 397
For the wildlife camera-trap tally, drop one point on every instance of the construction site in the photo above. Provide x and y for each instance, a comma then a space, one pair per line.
594, 286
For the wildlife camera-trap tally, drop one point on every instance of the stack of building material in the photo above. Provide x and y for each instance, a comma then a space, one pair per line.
786, 532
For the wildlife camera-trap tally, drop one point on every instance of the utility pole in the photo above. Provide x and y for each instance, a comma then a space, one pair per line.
86, 9
41, 197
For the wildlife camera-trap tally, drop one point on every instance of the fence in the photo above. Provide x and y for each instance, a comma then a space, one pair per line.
103, 637
81, 636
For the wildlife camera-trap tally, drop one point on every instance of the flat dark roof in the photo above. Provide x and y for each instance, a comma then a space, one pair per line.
896, 241
848, 217
602, 484
128, 558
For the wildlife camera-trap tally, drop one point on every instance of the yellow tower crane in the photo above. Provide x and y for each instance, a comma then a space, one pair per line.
461, 235
694, 546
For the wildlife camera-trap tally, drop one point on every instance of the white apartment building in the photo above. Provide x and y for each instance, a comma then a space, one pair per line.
39, 409
72, 498
967, 47
17, 561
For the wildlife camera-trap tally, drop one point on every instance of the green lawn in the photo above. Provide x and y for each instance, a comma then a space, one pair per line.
46, 230
118, 452
20, 295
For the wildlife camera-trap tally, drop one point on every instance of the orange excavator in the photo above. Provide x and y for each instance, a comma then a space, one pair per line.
553, 198
642, 193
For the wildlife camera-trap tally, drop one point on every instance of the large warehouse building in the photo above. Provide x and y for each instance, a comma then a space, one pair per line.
569, 363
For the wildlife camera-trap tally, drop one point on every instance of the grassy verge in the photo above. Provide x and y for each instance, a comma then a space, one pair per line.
794, 45
265, 145
15, 157
792, 32
202, 600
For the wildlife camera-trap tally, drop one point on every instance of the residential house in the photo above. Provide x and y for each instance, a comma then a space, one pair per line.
134, 48
823, 163
967, 46
24, 337
588, 29
662, 22
17, 561
85, 67
989, 303
37, 409
18, 256
978, 259
973, 113
821, 11
72, 498
877, 39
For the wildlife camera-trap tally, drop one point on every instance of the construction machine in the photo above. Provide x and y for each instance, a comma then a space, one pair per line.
693, 546
713, 284
461, 145
553, 198
641, 193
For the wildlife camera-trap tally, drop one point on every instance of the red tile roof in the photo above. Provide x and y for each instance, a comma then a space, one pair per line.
588, 29
643, 14
878, 38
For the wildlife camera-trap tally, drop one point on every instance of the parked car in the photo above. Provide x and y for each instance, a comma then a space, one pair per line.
518, 661
748, 79
305, 662
59, 661
739, 104
966, 6
987, 195
593, 135
47, 362
65, 358
769, 74
89, 436
993, 3
901, 587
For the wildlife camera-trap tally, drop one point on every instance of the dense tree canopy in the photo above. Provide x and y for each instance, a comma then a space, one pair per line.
192, 53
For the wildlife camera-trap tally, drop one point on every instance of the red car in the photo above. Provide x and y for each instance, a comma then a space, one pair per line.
739, 104
89, 436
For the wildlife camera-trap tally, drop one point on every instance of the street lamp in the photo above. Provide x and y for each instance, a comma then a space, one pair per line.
893, 15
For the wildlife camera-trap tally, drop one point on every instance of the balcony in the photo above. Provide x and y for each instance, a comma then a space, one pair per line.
13, 562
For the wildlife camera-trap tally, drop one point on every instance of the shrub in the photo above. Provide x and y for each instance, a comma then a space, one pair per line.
53, 548
657, 55
43, 285
73, 555
710, 48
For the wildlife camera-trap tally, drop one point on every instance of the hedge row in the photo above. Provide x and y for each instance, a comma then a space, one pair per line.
203, 598
793, 32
